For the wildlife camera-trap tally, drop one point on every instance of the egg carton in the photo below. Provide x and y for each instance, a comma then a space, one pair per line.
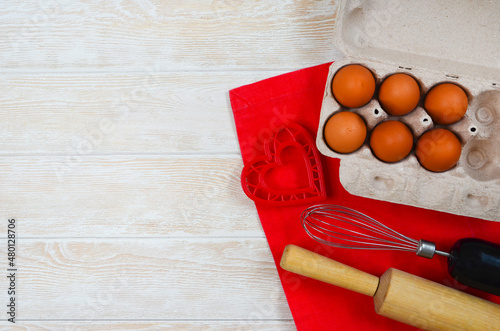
429, 53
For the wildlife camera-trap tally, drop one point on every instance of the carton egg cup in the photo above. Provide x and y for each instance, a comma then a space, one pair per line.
472, 187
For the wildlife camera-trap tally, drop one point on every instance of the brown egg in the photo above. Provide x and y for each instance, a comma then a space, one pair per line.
446, 103
391, 141
438, 150
345, 132
399, 94
353, 86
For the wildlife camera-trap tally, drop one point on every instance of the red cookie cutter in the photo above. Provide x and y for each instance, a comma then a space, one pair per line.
290, 173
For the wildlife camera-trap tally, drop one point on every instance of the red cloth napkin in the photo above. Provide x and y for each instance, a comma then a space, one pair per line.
259, 109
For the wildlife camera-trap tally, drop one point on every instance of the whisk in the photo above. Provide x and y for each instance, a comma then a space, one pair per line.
473, 262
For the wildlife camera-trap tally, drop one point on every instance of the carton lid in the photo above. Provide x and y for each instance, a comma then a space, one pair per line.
460, 37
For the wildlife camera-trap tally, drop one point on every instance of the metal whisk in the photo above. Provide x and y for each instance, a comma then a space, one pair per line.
473, 262
340, 226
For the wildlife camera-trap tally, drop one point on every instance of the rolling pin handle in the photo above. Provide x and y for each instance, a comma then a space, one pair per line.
306, 263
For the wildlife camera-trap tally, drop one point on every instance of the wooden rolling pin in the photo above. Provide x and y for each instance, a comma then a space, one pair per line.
398, 295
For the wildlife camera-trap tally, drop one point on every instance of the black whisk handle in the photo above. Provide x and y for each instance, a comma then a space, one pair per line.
476, 263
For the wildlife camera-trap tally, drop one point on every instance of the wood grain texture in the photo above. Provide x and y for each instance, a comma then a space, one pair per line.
126, 196
153, 279
129, 35
188, 325
147, 112
120, 162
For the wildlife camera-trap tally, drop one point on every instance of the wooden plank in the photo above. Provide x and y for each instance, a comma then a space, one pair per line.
151, 113
188, 325
127, 196
169, 35
146, 279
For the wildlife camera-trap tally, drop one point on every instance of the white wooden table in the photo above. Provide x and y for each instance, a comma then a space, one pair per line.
120, 163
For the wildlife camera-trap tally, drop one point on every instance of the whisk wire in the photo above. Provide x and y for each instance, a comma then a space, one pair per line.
374, 241
369, 225
366, 244
322, 223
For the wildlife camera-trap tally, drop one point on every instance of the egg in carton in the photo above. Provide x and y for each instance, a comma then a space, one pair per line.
431, 55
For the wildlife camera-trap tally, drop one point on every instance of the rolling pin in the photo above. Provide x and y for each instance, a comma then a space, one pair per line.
399, 295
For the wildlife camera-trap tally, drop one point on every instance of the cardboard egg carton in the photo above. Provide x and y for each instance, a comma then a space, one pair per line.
435, 42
